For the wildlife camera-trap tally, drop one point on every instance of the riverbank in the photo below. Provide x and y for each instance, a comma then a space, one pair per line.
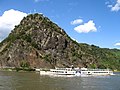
26, 69
17, 69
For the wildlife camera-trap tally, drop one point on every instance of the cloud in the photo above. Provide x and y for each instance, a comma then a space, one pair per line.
117, 44
77, 21
107, 2
110, 6
8, 20
36, 0
115, 7
40, 0
86, 27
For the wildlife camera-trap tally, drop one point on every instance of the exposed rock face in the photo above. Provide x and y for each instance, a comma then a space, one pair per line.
38, 42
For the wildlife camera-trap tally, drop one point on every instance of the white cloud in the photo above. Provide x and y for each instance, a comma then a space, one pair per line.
8, 20
86, 27
40, 0
117, 44
110, 6
77, 21
115, 7
107, 2
36, 0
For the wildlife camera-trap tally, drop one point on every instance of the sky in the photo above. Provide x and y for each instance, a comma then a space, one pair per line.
95, 22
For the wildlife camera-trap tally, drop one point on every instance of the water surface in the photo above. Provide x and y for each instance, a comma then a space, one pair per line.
33, 81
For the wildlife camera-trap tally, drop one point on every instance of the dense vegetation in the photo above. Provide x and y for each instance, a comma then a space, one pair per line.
38, 42
105, 58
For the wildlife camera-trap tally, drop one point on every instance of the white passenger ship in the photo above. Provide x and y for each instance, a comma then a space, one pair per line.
76, 71
61, 71
86, 71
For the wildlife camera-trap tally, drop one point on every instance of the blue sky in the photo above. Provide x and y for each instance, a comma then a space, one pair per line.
86, 21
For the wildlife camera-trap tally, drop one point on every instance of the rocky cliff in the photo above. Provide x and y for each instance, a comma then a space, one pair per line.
38, 42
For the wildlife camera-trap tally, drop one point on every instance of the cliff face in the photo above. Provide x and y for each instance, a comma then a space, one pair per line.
38, 42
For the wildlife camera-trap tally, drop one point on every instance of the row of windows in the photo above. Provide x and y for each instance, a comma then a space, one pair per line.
95, 72
100, 72
58, 71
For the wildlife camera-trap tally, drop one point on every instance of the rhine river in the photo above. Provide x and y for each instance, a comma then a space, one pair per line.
33, 81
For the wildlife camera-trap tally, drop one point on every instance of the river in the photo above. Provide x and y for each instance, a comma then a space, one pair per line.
33, 81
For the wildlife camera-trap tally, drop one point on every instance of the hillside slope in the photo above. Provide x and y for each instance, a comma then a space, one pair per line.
38, 42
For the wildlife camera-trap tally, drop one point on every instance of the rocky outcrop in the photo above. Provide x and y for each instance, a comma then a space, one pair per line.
38, 42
